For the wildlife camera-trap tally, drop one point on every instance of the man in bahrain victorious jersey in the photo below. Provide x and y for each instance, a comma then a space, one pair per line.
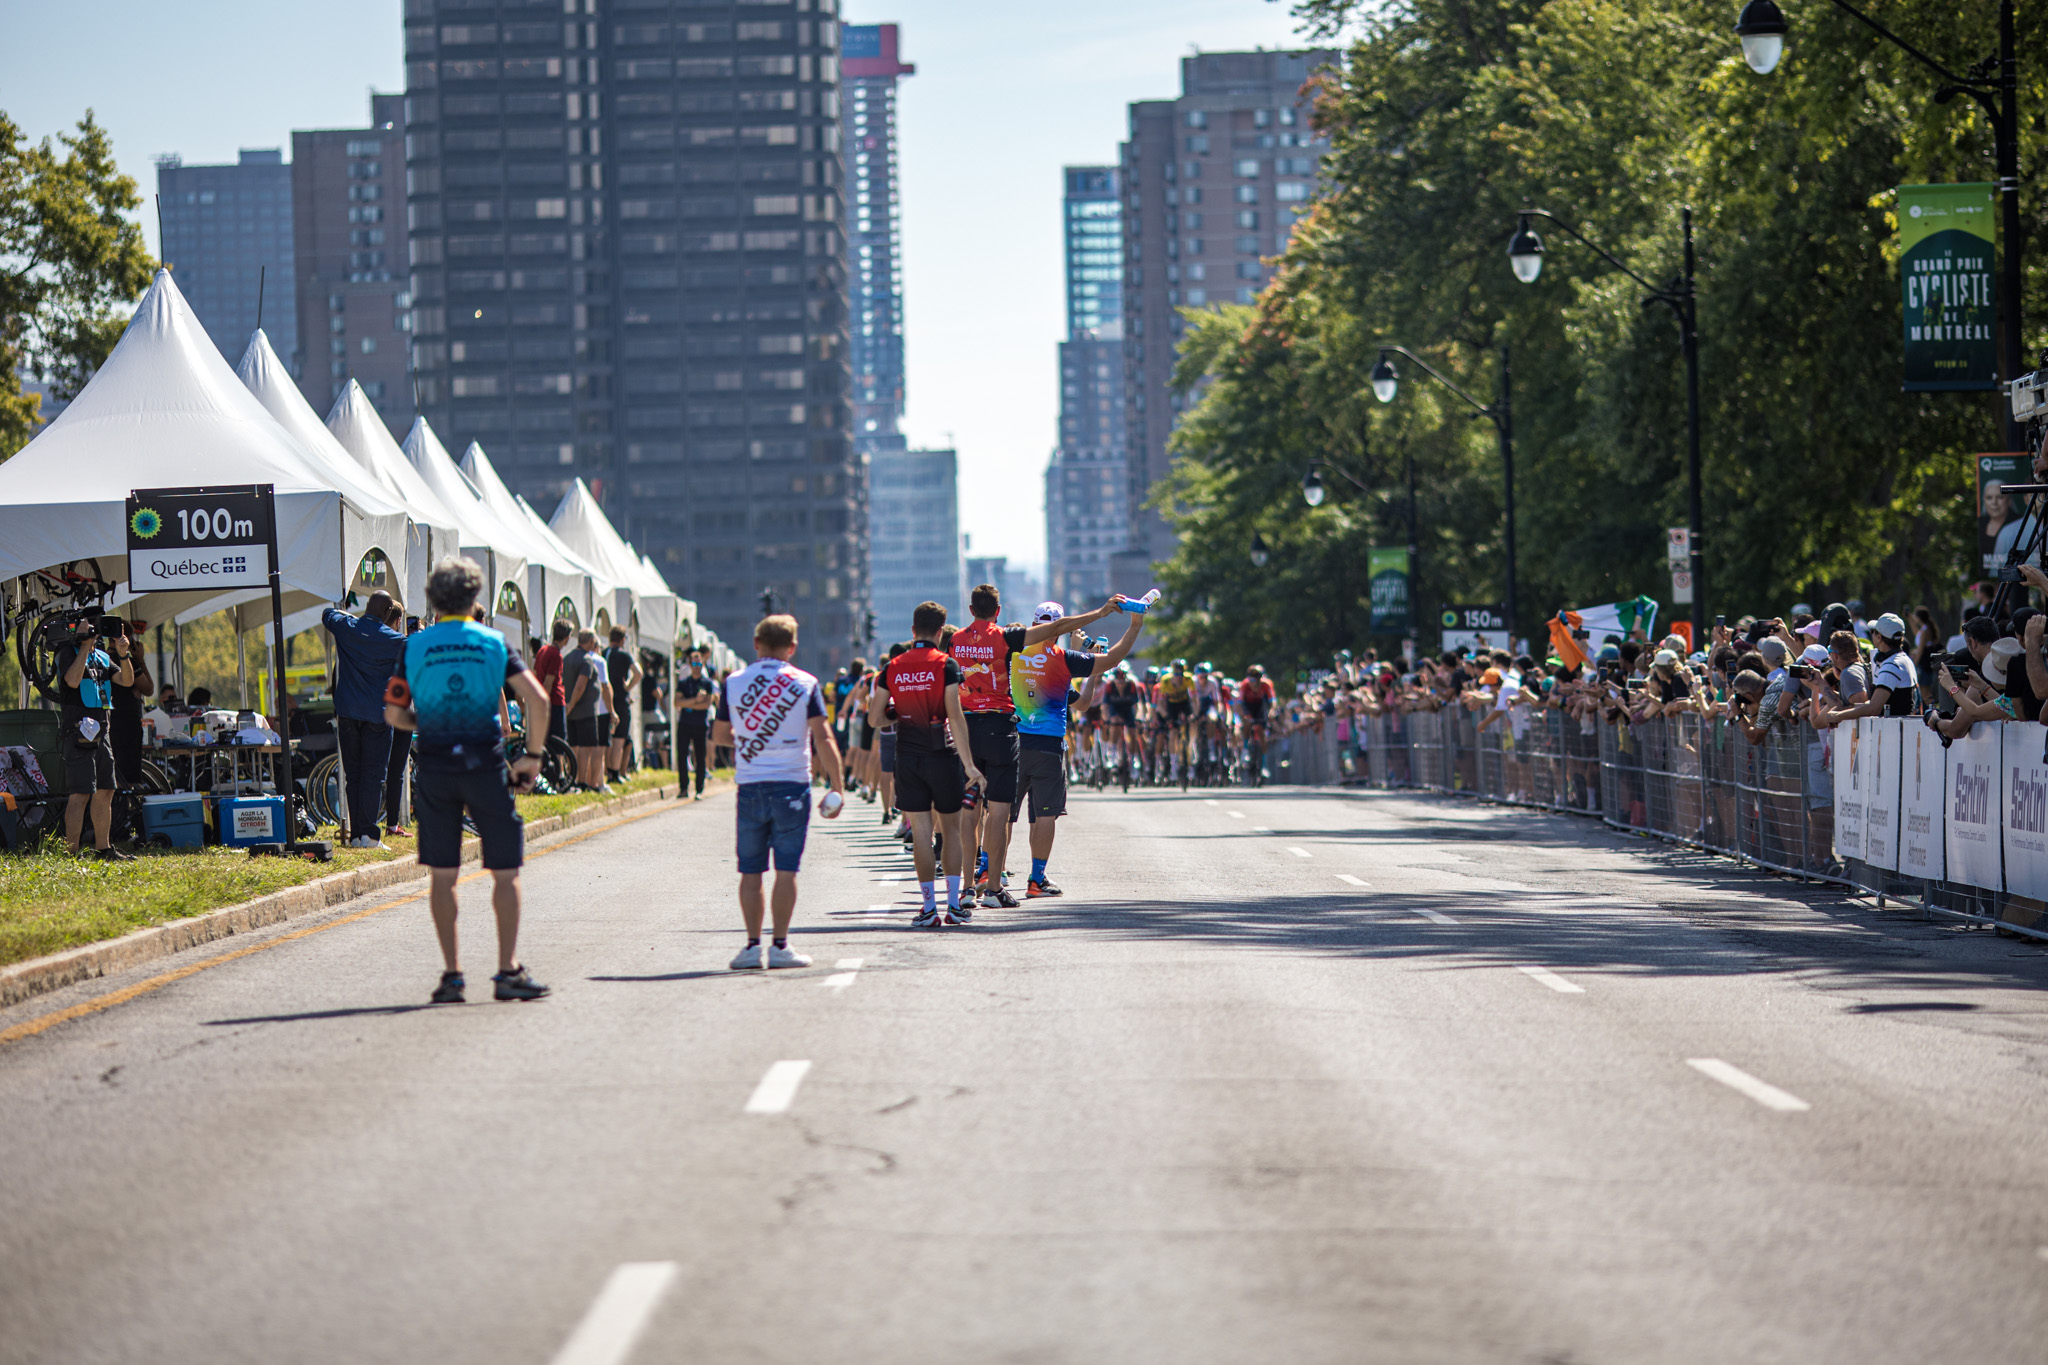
920, 694
1041, 681
983, 651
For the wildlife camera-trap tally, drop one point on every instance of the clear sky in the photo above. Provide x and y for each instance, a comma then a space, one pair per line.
1003, 97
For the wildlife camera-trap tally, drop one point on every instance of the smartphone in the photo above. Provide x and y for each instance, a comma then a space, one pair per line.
412, 625
1720, 623
2009, 574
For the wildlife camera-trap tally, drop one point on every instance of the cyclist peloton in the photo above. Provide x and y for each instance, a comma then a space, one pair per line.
1254, 705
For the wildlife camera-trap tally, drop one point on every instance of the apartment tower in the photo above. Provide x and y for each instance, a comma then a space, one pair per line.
1211, 183
1086, 497
227, 236
628, 256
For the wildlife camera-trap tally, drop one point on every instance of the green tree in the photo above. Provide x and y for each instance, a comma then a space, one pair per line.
69, 253
1823, 480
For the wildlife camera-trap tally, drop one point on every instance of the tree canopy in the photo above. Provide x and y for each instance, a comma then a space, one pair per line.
69, 252
1822, 479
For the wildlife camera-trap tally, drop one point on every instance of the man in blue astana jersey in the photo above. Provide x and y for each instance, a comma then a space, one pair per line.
446, 687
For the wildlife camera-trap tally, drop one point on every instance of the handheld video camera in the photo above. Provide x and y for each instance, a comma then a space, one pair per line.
2029, 397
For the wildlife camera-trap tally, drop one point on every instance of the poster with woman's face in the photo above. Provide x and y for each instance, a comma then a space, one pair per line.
1999, 515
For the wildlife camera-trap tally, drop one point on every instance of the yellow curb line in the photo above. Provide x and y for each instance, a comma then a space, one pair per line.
30, 1028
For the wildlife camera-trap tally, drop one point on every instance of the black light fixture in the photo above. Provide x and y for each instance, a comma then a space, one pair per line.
1312, 490
1525, 248
1385, 381
1260, 551
1762, 28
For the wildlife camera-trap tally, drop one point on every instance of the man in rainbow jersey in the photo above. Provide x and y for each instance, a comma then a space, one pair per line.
1042, 680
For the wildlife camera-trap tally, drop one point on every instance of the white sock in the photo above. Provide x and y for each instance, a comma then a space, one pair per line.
931, 891
952, 893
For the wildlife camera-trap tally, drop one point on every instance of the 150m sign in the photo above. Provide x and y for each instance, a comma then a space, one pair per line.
200, 537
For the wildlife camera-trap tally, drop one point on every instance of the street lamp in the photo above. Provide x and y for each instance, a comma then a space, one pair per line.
1762, 28
1525, 249
1385, 382
1260, 552
1682, 299
1993, 82
1312, 490
1501, 414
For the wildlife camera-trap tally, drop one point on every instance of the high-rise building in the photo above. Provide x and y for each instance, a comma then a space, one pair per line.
348, 251
1086, 498
1019, 588
870, 69
1212, 181
916, 553
227, 236
628, 255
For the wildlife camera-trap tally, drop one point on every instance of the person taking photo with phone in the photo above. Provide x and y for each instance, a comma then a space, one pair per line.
445, 688
89, 667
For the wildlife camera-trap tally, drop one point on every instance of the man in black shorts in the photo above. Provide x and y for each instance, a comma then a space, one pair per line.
921, 694
622, 671
446, 687
695, 694
584, 683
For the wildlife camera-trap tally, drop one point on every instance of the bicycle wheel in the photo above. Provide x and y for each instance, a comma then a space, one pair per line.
558, 763
323, 791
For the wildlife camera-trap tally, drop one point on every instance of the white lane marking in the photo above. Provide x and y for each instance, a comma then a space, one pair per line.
1552, 980
1347, 877
849, 964
894, 877
1300, 852
619, 1314
1211, 801
1434, 916
1235, 814
1262, 829
849, 967
1735, 1078
777, 1088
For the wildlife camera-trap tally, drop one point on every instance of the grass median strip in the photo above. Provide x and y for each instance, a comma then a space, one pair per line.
52, 901
31, 1027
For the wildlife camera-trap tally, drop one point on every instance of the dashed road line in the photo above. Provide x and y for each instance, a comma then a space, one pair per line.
1235, 814
1434, 916
1348, 878
1300, 852
619, 1314
777, 1088
1552, 980
1735, 1078
848, 968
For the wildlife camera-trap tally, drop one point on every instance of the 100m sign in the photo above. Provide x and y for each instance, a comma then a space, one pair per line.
197, 524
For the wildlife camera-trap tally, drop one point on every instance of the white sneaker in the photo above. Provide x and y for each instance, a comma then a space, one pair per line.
786, 957
749, 959
364, 841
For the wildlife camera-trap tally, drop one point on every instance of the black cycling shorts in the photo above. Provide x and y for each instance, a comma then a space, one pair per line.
622, 722
1179, 710
992, 739
440, 798
929, 781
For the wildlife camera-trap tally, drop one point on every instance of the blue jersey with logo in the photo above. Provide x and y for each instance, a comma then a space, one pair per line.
456, 671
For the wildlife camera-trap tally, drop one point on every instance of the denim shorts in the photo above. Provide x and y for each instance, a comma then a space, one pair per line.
773, 816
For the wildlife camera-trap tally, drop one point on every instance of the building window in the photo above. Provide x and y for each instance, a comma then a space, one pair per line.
1198, 118
1290, 191
1247, 194
1248, 166
1198, 143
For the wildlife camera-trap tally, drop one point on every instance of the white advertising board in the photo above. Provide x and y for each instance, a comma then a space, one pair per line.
1923, 789
1886, 742
1851, 768
1976, 798
2026, 809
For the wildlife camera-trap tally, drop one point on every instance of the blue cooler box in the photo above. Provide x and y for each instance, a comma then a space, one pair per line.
246, 821
180, 820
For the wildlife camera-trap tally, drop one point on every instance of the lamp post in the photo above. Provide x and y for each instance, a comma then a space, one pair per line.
1261, 552
1993, 82
1525, 254
1386, 383
1313, 492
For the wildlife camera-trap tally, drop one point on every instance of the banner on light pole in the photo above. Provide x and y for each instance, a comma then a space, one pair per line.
1947, 269
1388, 570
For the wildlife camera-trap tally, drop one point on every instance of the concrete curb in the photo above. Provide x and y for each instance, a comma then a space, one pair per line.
41, 975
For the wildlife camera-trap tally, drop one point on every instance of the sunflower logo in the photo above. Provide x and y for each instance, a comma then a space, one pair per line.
146, 523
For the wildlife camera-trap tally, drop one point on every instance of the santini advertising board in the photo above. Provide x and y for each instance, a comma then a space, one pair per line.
200, 538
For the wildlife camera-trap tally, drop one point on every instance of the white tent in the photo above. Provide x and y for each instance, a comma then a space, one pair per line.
485, 537
358, 430
584, 528
166, 411
553, 571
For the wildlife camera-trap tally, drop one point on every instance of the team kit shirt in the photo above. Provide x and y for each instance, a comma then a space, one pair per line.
1254, 695
917, 680
454, 672
1041, 684
770, 704
984, 651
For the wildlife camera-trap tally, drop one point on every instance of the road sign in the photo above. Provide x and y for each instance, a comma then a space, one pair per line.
1465, 618
1678, 547
205, 538
1681, 586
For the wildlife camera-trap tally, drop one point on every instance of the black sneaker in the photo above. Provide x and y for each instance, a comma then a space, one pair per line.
114, 855
997, 898
518, 984
927, 919
449, 992
959, 914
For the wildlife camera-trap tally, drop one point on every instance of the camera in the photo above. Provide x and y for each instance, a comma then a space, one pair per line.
1800, 670
2029, 396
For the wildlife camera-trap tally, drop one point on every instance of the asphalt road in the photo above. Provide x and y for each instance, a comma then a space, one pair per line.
1287, 1075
